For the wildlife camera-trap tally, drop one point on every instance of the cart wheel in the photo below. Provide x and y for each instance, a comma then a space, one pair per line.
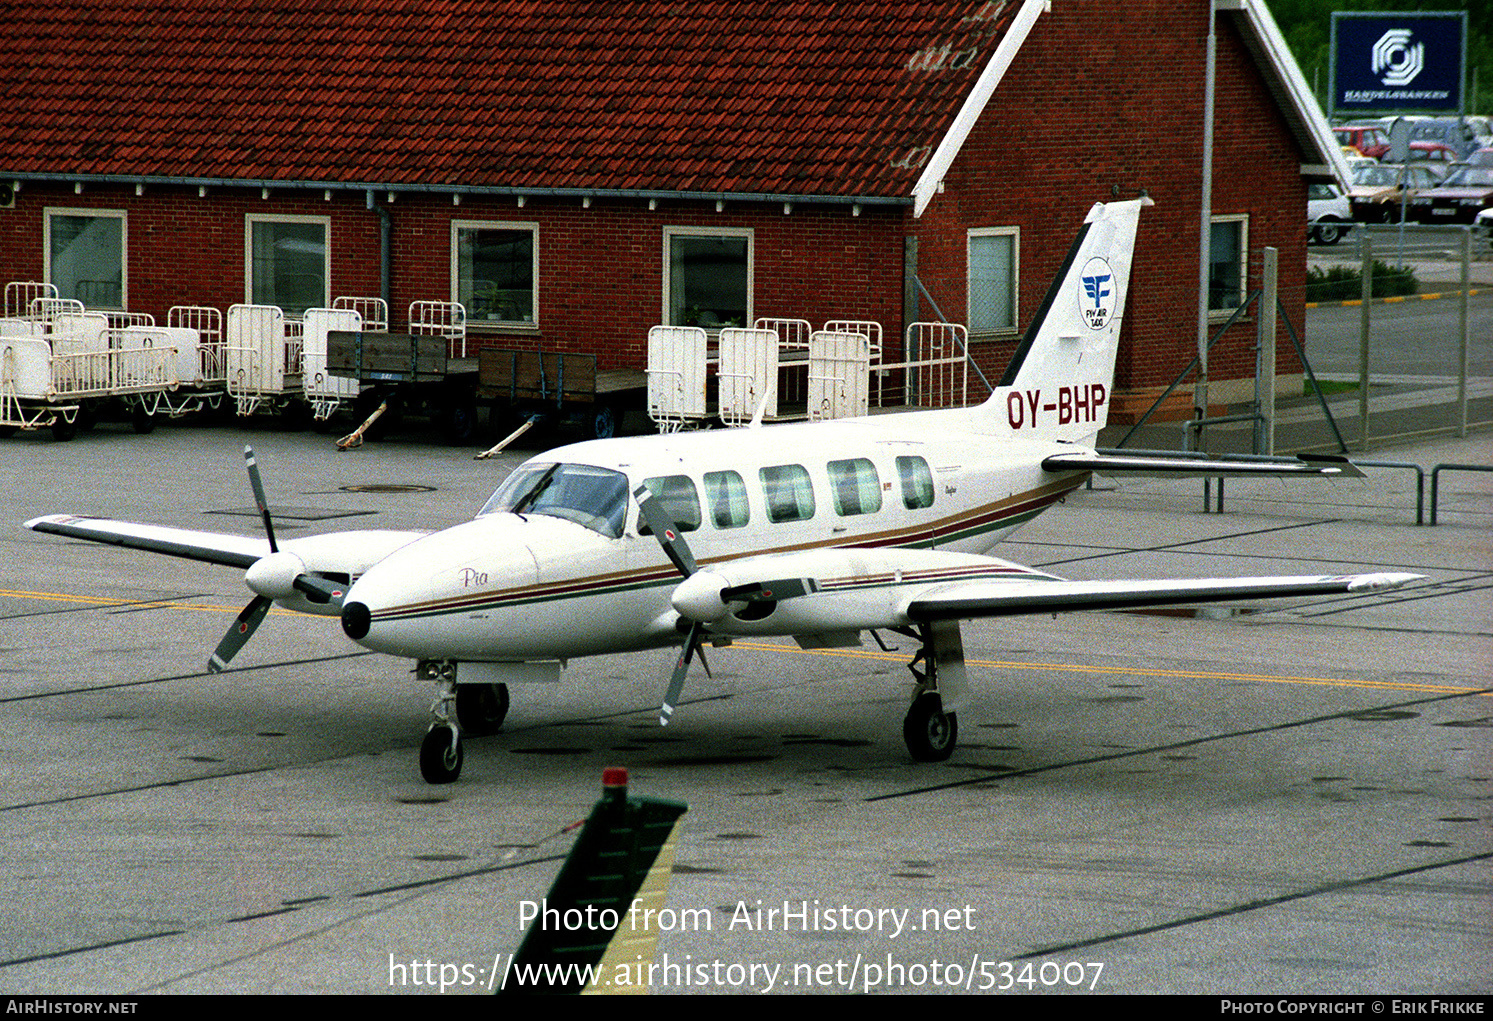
604, 422
141, 420
63, 430
459, 422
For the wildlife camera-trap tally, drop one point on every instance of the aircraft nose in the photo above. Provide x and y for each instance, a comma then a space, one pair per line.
356, 620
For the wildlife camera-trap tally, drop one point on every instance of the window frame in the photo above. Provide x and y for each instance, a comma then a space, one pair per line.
251, 220
711, 234
1222, 312
532, 228
85, 212
975, 233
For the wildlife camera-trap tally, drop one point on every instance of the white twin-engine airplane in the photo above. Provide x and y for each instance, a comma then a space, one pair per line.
818, 531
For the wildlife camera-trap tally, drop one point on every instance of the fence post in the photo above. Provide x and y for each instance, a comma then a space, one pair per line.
1265, 385
1463, 338
1366, 293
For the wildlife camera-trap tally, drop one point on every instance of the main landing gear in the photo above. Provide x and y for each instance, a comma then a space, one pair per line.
475, 709
931, 728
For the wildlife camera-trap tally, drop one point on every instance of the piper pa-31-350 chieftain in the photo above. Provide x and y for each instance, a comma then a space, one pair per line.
819, 531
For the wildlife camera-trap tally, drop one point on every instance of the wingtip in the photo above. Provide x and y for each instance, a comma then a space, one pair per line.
1382, 581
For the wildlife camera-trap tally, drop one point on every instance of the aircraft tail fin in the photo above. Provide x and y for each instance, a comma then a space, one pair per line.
1059, 381
588, 937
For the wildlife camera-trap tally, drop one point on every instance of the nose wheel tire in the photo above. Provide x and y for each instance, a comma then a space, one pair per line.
931, 734
440, 755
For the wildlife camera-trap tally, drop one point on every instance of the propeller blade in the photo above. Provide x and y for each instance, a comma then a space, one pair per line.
259, 498
681, 668
248, 620
665, 531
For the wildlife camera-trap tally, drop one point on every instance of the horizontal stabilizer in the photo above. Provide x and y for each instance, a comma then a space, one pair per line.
1189, 465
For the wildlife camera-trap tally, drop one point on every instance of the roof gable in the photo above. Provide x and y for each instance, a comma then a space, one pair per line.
792, 99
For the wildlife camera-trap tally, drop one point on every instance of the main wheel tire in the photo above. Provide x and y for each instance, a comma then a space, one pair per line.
931, 734
481, 708
439, 761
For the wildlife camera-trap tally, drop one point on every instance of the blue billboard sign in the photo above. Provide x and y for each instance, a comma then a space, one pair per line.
1408, 61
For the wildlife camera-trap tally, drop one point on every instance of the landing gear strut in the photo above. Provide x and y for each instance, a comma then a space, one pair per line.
931, 729
440, 752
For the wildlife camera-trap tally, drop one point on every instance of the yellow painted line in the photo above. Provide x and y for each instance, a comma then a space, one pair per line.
136, 604
1472, 292
1074, 668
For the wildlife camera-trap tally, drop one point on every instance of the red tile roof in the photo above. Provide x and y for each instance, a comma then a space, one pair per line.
796, 98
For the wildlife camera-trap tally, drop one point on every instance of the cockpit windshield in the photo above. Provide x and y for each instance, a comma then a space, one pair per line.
593, 497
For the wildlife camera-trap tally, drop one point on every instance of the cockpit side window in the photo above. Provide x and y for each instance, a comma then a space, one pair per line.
595, 498
679, 499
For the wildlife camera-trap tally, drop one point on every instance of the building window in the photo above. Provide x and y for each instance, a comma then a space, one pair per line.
495, 270
707, 277
1227, 262
288, 262
85, 255
856, 487
994, 256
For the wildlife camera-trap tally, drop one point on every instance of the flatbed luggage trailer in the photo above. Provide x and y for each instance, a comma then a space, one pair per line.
59, 362
425, 371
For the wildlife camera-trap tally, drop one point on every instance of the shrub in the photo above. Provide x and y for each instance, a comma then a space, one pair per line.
1345, 283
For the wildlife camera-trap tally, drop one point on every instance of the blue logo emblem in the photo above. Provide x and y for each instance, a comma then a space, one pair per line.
1096, 295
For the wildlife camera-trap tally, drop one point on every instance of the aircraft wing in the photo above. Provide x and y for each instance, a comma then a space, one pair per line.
1010, 598
1112, 462
350, 552
239, 551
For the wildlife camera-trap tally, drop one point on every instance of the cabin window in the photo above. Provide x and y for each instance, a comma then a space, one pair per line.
789, 493
679, 499
494, 267
856, 486
917, 482
85, 255
992, 276
707, 277
593, 497
288, 262
1228, 241
728, 499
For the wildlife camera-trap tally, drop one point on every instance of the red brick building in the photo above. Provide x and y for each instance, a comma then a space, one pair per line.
576, 173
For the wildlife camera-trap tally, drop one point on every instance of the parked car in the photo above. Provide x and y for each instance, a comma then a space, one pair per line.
1329, 214
1482, 227
1375, 196
1437, 156
1368, 139
1482, 158
1458, 199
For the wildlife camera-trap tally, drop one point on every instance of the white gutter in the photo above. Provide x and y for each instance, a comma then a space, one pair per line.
974, 103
